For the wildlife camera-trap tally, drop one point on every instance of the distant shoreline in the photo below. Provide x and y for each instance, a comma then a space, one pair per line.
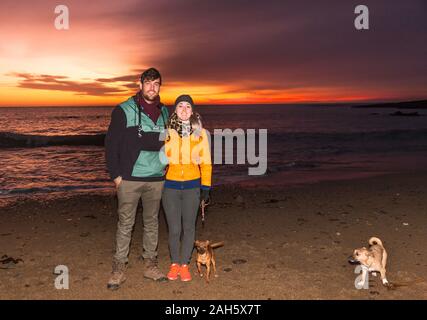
419, 104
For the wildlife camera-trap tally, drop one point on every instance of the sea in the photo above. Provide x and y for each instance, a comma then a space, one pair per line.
54, 152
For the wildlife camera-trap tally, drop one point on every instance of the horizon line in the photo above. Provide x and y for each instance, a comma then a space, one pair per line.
357, 102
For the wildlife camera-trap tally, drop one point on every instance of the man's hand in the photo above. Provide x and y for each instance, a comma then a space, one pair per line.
117, 181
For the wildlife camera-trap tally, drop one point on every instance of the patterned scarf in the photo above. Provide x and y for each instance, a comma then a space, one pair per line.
185, 128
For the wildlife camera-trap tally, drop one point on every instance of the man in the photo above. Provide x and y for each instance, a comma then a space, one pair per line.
132, 153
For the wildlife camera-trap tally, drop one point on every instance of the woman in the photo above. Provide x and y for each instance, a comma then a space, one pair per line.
188, 181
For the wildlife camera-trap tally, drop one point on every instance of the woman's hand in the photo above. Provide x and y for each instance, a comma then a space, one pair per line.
204, 195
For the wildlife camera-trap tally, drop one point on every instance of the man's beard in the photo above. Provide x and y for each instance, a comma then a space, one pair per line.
148, 98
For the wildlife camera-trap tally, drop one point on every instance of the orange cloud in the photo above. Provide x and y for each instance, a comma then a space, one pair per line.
46, 89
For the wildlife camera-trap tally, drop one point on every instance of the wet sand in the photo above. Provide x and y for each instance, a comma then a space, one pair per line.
281, 242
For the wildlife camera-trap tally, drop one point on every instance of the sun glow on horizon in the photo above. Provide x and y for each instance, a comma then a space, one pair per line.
12, 96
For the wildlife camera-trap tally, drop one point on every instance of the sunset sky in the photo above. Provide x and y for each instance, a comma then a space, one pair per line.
222, 51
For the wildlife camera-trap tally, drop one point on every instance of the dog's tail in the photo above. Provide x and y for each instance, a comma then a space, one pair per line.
217, 244
374, 241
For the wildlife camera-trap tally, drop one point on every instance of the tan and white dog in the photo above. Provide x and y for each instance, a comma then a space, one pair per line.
205, 256
372, 260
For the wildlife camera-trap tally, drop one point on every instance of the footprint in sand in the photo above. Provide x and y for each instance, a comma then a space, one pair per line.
7, 262
239, 261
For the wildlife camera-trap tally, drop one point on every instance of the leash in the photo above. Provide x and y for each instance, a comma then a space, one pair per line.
203, 205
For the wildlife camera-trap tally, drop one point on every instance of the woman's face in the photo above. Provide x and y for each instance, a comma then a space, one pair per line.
184, 110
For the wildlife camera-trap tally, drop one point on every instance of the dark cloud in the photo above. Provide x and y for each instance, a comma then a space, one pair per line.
60, 83
128, 78
285, 43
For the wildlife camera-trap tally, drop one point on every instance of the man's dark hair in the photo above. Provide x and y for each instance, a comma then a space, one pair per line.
151, 74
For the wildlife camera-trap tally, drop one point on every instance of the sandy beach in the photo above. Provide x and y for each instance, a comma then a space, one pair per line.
281, 242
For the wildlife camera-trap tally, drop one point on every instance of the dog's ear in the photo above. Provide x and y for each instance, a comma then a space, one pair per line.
196, 243
208, 242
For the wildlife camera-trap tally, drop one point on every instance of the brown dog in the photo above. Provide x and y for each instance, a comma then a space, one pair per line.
205, 256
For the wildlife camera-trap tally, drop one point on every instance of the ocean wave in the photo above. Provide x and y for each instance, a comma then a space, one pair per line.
17, 140
68, 117
49, 189
13, 140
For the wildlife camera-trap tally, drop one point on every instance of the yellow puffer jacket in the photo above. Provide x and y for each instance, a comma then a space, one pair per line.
190, 164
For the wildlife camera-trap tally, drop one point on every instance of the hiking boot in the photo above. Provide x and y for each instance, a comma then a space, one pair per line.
184, 273
174, 271
152, 271
118, 275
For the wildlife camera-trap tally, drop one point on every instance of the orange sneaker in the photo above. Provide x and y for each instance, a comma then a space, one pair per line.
174, 271
185, 273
